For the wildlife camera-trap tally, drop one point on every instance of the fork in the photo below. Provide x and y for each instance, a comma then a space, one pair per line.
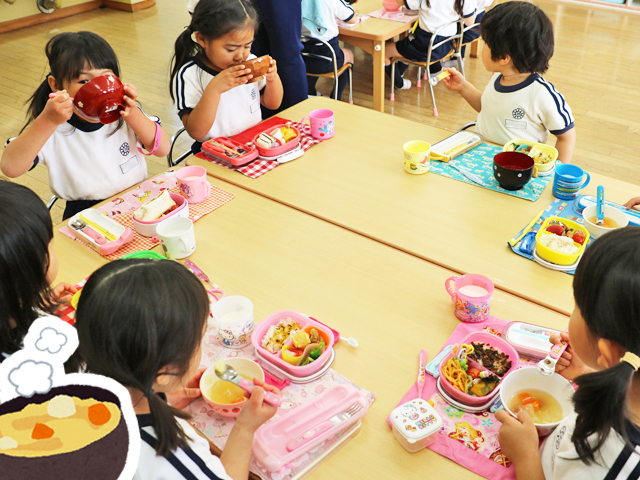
323, 427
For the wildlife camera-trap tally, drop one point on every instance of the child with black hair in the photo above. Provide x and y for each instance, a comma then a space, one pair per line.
601, 438
28, 265
87, 161
518, 103
142, 322
209, 87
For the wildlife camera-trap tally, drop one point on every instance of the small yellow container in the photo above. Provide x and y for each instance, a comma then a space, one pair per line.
535, 147
287, 357
555, 257
416, 157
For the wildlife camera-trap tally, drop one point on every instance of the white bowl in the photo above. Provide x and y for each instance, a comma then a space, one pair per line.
529, 377
148, 229
609, 212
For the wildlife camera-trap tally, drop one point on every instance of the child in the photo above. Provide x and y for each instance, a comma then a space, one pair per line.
210, 89
433, 15
473, 33
333, 9
28, 265
601, 439
87, 161
518, 103
141, 322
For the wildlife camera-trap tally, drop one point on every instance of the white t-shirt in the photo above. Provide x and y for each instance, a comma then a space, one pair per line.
333, 9
191, 5
440, 13
238, 110
196, 461
559, 457
527, 111
480, 5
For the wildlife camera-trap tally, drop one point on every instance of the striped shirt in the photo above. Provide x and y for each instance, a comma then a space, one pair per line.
614, 460
527, 111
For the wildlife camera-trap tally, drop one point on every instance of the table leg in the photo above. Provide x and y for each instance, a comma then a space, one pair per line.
474, 48
378, 75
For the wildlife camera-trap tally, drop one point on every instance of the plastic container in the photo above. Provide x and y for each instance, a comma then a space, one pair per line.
122, 234
613, 213
145, 254
556, 257
415, 424
280, 374
455, 145
271, 439
277, 151
276, 359
536, 147
527, 339
390, 5
461, 406
493, 341
220, 154
148, 229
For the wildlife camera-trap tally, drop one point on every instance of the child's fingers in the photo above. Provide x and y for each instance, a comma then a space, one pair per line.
267, 387
503, 417
257, 396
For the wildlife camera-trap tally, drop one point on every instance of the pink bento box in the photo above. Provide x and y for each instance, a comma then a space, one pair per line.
276, 359
495, 342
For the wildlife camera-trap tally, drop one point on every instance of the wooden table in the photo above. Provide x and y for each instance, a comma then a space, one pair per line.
371, 35
356, 180
393, 303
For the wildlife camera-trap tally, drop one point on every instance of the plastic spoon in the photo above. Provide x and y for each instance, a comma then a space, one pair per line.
352, 342
228, 373
422, 358
548, 365
600, 206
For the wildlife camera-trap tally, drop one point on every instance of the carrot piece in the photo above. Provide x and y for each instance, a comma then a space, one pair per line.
41, 431
536, 404
524, 397
99, 414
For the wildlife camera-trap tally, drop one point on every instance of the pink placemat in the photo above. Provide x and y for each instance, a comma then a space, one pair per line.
469, 439
400, 15
217, 428
121, 209
259, 167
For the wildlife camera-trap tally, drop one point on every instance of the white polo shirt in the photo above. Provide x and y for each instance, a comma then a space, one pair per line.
333, 9
440, 13
527, 111
238, 110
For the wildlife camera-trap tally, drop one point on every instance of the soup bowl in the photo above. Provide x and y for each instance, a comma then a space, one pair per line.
512, 170
618, 216
101, 98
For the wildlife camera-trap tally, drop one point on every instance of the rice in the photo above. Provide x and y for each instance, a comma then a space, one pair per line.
559, 244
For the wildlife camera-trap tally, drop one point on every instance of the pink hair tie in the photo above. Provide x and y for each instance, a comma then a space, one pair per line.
156, 142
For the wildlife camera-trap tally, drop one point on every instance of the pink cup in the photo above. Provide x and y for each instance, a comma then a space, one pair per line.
321, 124
193, 183
471, 297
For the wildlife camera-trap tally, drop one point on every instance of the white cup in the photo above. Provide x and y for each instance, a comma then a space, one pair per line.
233, 318
177, 237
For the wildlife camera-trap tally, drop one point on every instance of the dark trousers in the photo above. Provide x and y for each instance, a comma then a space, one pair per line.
76, 206
318, 65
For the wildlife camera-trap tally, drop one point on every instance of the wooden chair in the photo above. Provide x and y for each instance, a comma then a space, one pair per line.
336, 71
453, 54
174, 139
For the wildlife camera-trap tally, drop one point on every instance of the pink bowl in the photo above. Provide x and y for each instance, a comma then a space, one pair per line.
495, 342
277, 151
390, 5
101, 98
148, 229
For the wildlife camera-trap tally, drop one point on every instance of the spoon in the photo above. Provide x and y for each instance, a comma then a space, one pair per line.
227, 373
79, 225
548, 365
422, 364
352, 342
600, 206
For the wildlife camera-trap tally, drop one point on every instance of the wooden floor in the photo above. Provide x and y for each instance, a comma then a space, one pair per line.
595, 67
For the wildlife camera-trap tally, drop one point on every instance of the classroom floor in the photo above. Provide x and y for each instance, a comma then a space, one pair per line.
595, 67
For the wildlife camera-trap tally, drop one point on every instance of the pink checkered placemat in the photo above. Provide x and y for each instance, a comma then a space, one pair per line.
259, 167
67, 313
400, 15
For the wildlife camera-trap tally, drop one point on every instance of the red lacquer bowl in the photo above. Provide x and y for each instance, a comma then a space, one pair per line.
101, 98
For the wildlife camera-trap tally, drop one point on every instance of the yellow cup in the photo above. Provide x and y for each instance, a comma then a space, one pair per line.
416, 157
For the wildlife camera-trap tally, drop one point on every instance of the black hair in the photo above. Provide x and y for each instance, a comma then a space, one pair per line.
606, 288
522, 31
134, 318
70, 53
25, 234
213, 19
458, 5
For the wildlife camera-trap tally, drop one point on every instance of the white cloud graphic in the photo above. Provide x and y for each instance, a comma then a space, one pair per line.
32, 377
51, 340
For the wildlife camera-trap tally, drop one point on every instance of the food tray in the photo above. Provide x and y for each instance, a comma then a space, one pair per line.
461, 406
276, 359
220, 154
277, 151
455, 145
123, 234
552, 256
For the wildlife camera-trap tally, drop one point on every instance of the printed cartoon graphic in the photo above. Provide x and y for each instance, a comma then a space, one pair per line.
468, 436
186, 190
143, 196
410, 411
59, 426
326, 129
500, 458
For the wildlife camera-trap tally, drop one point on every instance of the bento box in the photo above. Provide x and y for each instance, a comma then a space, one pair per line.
220, 148
277, 330
553, 256
148, 228
543, 155
415, 424
98, 231
276, 151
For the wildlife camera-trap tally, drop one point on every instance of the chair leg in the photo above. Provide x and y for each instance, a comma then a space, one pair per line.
460, 64
433, 99
418, 83
351, 84
335, 87
393, 83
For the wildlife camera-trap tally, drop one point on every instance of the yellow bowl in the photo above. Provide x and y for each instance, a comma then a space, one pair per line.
548, 149
556, 257
75, 299
287, 357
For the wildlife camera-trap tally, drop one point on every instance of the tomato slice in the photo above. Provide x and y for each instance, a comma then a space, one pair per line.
295, 352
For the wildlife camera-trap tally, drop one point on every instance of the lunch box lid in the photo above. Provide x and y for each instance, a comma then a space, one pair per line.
416, 420
529, 339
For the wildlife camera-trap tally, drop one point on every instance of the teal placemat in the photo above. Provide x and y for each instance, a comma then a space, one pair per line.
479, 161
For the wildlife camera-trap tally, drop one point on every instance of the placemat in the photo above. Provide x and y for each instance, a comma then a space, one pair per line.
469, 439
400, 15
217, 428
121, 209
479, 161
259, 167
67, 313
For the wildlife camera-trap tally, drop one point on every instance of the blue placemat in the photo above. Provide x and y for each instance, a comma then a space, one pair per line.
479, 161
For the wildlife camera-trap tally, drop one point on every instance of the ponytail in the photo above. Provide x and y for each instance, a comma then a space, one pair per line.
458, 6
185, 50
37, 102
163, 419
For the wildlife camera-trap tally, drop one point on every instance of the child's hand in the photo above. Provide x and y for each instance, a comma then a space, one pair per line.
231, 77
63, 292
569, 364
455, 82
58, 108
183, 397
518, 437
272, 73
255, 412
633, 202
130, 95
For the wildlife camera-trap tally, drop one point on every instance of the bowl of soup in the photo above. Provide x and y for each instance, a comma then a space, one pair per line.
512, 170
613, 218
546, 398
226, 398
